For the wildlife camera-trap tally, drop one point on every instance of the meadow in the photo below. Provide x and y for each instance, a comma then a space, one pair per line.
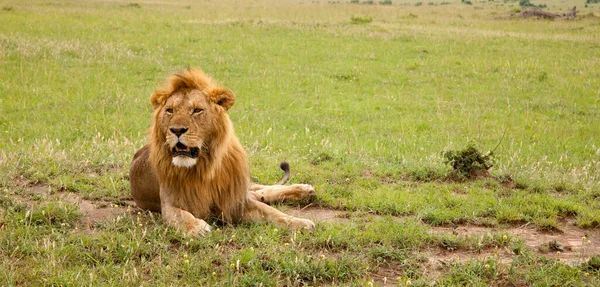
362, 101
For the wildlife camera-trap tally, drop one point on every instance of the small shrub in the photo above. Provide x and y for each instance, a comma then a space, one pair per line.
369, 2
354, 1
592, 1
361, 20
466, 2
469, 162
8, 8
418, 3
386, 2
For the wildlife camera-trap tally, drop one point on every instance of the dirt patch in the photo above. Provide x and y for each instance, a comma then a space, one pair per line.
320, 214
388, 275
435, 263
575, 245
93, 211
572, 245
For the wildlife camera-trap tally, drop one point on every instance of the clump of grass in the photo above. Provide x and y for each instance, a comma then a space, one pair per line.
7, 8
551, 246
425, 174
592, 265
56, 215
515, 10
389, 2
469, 162
361, 19
133, 5
473, 272
526, 3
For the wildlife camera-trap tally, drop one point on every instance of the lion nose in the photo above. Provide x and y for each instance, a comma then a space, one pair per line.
178, 131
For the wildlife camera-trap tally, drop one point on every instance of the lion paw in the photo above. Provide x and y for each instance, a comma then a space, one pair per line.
301, 223
304, 191
198, 227
309, 189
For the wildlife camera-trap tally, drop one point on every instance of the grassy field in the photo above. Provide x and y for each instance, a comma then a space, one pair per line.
362, 100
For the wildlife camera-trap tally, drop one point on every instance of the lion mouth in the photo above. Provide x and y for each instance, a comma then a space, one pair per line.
183, 150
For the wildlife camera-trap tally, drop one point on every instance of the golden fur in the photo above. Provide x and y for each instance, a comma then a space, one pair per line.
213, 177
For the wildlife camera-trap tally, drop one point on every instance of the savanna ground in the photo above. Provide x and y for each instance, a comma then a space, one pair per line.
362, 100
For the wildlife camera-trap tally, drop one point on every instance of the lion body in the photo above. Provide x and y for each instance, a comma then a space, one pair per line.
212, 179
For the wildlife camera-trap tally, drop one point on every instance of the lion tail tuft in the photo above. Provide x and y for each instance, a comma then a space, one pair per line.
286, 173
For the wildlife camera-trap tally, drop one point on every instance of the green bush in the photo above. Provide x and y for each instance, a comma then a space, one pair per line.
468, 162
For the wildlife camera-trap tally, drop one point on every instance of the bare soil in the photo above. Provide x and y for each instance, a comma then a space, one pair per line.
93, 211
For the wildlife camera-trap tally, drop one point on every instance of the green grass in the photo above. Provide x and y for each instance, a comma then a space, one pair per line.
362, 112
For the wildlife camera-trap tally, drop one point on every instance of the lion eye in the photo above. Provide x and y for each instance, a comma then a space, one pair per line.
169, 110
198, 110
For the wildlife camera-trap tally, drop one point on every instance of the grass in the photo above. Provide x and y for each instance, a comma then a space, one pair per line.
362, 112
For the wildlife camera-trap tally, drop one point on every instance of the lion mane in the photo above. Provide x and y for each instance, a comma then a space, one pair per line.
222, 170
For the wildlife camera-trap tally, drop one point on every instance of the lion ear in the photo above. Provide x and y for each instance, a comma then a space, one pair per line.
157, 99
222, 97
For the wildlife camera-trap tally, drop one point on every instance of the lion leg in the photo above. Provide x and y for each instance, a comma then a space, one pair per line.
280, 193
182, 220
258, 211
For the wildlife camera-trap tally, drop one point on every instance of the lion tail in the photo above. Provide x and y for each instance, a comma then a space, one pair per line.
286, 173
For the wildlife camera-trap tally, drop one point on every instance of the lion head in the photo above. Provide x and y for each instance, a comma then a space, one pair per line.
190, 117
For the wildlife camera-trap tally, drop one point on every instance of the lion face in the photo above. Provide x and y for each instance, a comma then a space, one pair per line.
187, 121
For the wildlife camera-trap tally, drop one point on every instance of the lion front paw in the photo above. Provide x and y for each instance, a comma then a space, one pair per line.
197, 227
301, 223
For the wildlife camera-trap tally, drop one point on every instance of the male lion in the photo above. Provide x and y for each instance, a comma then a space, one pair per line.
194, 166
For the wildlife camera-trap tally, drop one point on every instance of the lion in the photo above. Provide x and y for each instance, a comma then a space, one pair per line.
194, 167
